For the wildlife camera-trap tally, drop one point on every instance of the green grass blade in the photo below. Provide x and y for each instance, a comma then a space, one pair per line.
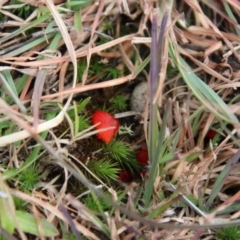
25, 28
222, 178
76, 5
229, 209
33, 156
6, 208
141, 66
78, 21
161, 146
10, 87
153, 124
201, 90
30, 45
21, 82
28, 223
231, 15
54, 43
49, 28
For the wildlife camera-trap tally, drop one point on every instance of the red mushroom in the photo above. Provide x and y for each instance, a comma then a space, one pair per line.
211, 134
125, 176
142, 157
106, 120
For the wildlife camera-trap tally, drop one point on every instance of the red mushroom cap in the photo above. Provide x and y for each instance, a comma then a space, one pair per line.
211, 134
106, 120
125, 176
142, 157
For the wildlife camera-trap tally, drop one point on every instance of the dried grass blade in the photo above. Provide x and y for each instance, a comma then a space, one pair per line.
68, 43
37, 93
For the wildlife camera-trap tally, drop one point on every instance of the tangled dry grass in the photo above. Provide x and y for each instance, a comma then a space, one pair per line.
54, 53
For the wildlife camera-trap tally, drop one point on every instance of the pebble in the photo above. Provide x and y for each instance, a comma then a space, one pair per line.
139, 97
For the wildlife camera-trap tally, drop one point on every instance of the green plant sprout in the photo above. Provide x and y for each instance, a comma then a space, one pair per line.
228, 233
101, 40
121, 152
81, 66
113, 72
24, 11
80, 120
118, 103
84, 123
105, 169
29, 178
95, 68
107, 25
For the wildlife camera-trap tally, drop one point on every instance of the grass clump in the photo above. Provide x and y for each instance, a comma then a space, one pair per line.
228, 233
118, 103
104, 169
29, 178
121, 152
84, 123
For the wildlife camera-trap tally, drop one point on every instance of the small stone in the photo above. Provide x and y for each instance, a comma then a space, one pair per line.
139, 97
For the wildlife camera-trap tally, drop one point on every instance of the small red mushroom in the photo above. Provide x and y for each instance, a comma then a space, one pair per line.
142, 157
211, 134
125, 176
106, 120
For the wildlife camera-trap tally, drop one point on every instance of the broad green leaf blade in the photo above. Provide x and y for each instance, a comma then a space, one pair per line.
28, 223
78, 21
6, 208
